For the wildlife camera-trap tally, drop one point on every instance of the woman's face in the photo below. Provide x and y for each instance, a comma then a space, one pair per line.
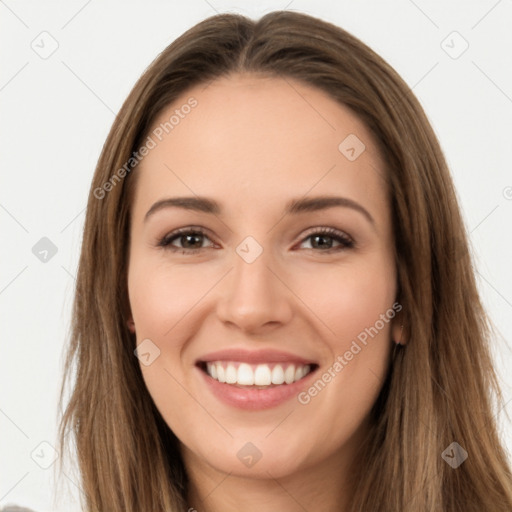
268, 280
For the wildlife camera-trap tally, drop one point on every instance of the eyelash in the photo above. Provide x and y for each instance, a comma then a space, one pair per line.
339, 236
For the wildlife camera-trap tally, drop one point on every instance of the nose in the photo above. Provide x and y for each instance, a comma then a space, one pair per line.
255, 296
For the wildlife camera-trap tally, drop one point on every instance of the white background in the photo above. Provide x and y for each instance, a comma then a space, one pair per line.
55, 116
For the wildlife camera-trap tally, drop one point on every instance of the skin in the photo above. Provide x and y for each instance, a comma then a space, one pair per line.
253, 144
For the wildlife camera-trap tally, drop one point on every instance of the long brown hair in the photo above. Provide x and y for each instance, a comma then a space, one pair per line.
441, 386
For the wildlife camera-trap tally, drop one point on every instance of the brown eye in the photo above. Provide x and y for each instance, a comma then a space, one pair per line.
323, 239
191, 240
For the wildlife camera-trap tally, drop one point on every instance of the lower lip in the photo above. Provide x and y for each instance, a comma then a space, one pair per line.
255, 399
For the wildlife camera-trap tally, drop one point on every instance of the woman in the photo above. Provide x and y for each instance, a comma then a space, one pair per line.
251, 372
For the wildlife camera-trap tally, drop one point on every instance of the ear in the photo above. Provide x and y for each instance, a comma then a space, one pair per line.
131, 324
397, 330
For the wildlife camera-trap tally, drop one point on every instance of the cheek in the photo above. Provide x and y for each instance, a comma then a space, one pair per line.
160, 298
161, 295
348, 299
167, 309
354, 308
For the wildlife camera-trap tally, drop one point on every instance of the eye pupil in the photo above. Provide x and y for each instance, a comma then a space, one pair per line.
189, 237
191, 241
319, 237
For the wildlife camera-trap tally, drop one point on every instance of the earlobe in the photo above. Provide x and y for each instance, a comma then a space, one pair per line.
397, 329
397, 325
397, 333
131, 325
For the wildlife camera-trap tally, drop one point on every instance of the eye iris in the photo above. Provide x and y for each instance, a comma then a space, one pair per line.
319, 237
188, 238
191, 239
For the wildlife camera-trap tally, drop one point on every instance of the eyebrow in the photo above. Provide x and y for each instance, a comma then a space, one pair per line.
293, 207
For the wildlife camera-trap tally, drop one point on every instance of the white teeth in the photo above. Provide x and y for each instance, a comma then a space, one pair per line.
277, 374
262, 375
245, 374
231, 374
221, 375
212, 369
289, 374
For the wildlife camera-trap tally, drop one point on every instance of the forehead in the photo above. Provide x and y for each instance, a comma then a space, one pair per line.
259, 137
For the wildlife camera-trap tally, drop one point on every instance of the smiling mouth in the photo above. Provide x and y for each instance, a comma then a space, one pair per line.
256, 376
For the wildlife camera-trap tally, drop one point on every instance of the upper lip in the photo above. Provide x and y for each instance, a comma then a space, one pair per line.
254, 356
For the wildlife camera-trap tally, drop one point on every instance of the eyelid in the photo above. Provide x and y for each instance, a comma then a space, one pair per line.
342, 237
330, 232
326, 230
165, 241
